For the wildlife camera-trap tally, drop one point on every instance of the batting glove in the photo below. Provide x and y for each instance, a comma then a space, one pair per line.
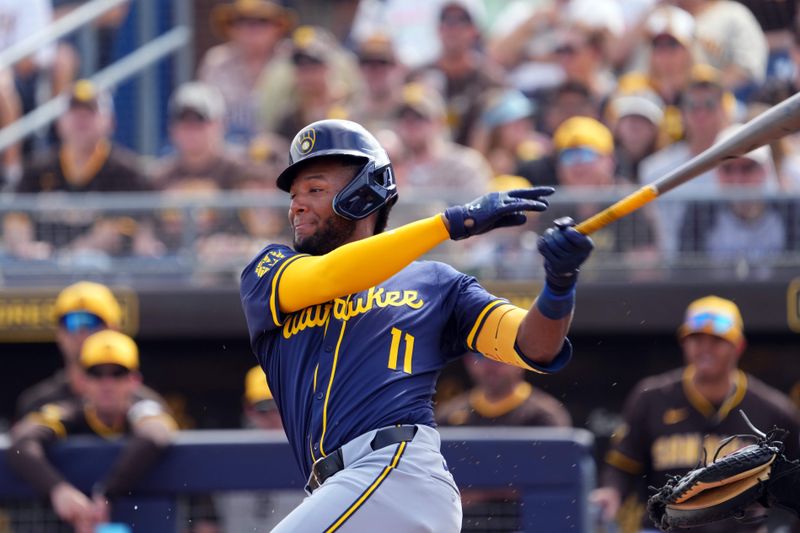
564, 250
495, 210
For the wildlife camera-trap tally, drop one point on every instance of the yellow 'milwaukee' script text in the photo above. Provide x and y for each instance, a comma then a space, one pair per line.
345, 309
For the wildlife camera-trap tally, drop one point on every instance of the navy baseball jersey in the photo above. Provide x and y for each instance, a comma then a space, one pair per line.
367, 360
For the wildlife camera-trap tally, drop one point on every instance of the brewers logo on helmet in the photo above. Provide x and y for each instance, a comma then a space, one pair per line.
373, 187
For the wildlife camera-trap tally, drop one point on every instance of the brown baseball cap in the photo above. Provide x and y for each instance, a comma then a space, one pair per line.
224, 15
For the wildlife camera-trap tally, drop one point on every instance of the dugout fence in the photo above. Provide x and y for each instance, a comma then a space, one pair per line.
548, 473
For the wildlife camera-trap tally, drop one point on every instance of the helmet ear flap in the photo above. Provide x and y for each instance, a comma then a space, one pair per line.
366, 193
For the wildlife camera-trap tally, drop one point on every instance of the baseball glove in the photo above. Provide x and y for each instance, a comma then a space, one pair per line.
729, 487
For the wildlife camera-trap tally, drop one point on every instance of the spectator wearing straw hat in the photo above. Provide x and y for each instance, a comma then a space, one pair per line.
252, 30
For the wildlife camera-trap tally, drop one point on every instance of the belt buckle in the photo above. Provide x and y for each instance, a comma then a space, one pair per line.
313, 481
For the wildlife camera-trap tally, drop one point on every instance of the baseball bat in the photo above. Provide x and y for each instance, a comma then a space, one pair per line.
781, 119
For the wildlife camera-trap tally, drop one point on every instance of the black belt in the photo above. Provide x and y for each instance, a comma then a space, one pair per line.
327, 466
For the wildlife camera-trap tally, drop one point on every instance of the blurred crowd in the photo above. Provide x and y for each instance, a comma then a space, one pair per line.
466, 96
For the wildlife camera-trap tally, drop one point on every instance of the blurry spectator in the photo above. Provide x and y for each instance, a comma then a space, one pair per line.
706, 112
777, 19
430, 161
259, 406
42, 74
316, 93
461, 73
585, 164
580, 52
506, 134
80, 310
196, 114
670, 35
201, 167
375, 106
257, 512
85, 161
10, 111
569, 99
252, 30
411, 25
501, 397
730, 40
109, 409
636, 120
674, 421
750, 229
104, 32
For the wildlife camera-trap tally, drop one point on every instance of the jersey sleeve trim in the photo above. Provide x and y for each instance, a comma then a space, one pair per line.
495, 336
273, 293
50, 422
479, 323
622, 462
556, 365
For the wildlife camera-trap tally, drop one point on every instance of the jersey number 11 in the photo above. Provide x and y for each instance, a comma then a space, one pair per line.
394, 350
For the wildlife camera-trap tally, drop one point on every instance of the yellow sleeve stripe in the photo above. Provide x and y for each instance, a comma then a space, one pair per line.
273, 293
497, 338
479, 323
621, 461
369, 491
49, 422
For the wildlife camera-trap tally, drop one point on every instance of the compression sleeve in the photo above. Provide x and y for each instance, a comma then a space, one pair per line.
357, 266
27, 458
495, 334
135, 460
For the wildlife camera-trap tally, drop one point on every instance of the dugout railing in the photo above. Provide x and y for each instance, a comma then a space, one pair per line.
549, 471
209, 237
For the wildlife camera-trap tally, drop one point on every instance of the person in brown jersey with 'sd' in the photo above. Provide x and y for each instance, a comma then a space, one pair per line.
675, 421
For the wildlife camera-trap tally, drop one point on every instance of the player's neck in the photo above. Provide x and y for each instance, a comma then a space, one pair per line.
716, 391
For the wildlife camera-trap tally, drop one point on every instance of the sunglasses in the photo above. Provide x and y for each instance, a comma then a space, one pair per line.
707, 104
745, 167
665, 42
566, 50
253, 21
718, 324
300, 60
78, 321
576, 156
455, 19
374, 63
107, 371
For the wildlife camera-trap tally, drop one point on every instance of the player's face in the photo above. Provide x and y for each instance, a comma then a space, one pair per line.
492, 376
317, 229
109, 388
713, 357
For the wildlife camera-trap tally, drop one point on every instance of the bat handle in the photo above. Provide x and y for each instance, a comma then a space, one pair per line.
627, 205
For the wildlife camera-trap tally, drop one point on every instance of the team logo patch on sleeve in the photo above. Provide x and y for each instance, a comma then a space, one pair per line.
268, 261
307, 140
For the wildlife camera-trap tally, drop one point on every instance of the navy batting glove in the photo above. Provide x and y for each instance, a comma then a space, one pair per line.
564, 250
495, 210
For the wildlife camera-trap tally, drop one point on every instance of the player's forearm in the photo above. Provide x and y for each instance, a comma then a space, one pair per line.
139, 455
541, 338
359, 265
27, 458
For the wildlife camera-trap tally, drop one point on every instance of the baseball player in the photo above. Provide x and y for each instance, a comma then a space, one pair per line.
353, 332
675, 421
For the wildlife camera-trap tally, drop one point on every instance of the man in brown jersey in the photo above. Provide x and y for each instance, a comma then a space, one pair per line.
108, 408
674, 421
501, 397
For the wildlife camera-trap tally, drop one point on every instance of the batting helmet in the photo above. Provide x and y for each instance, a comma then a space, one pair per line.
373, 186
